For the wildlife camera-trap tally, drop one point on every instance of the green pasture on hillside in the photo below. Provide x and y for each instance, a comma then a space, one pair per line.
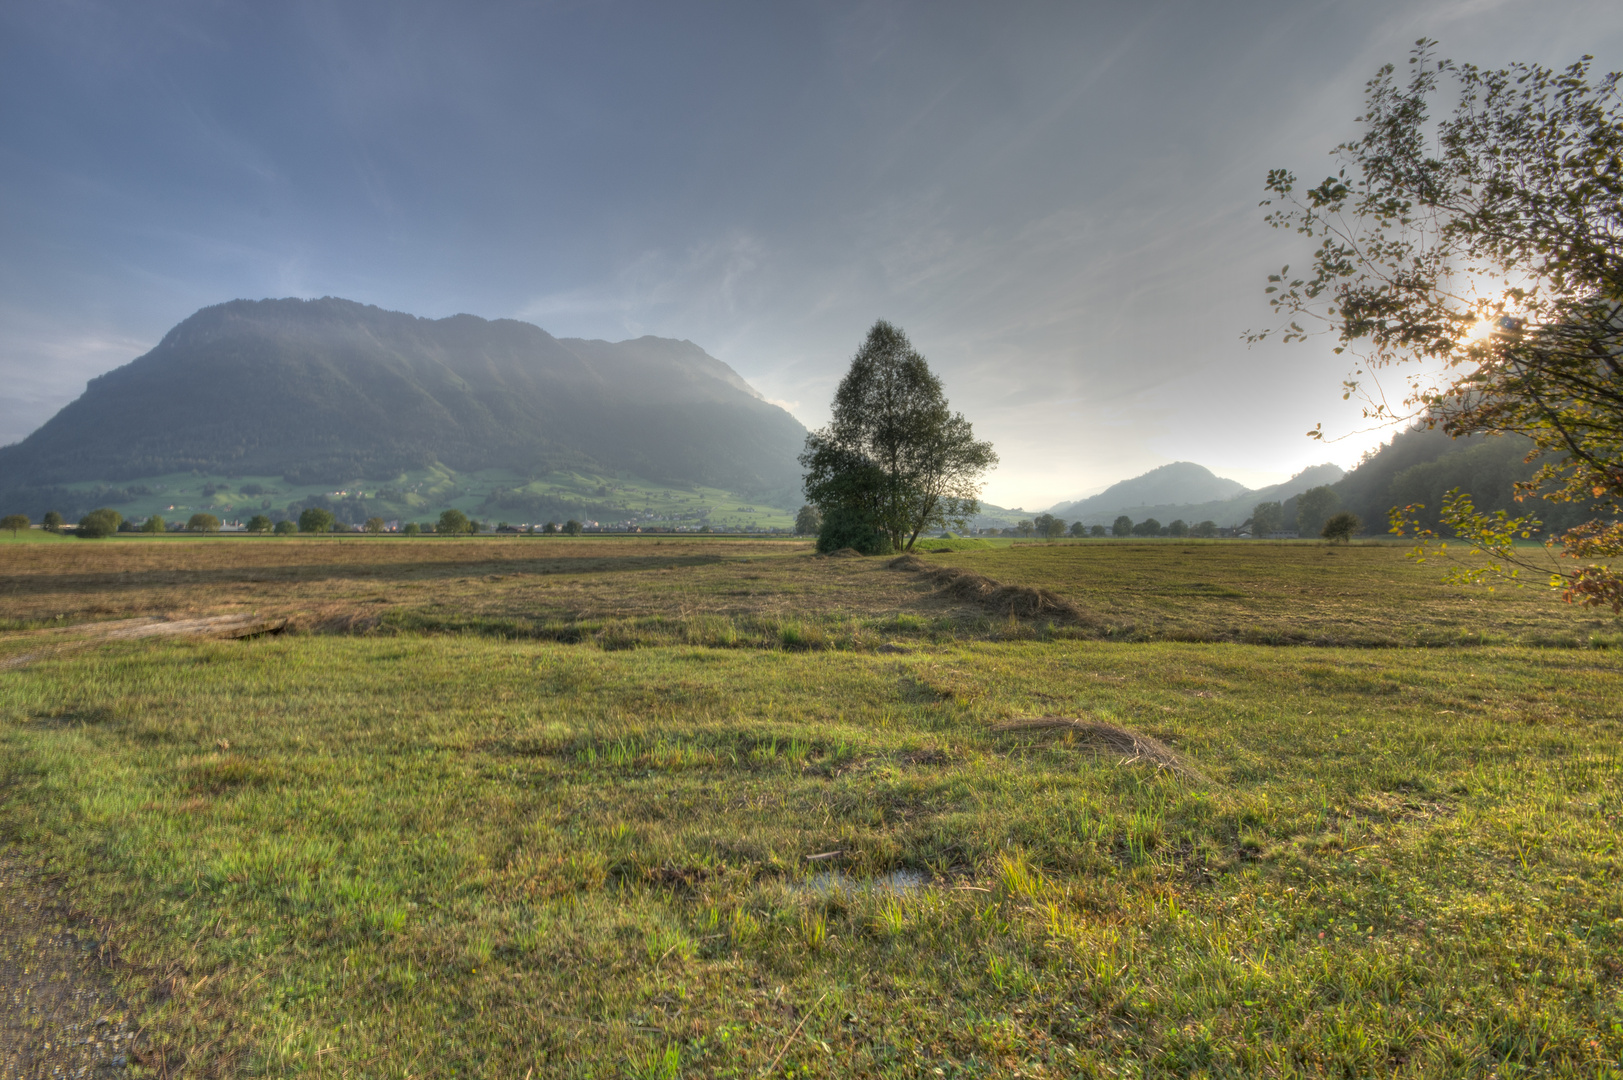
420, 495
661, 848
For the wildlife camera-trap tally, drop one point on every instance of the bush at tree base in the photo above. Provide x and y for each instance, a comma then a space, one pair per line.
845, 527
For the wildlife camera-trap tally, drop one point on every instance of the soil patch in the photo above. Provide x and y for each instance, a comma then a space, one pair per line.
61, 1014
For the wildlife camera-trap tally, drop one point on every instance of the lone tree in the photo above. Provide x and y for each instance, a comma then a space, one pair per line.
285, 528
154, 524
453, 522
1123, 526
99, 523
51, 521
203, 523
1050, 526
1487, 242
259, 523
1266, 517
15, 522
894, 460
575, 528
1341, 527
315, 520
374, 525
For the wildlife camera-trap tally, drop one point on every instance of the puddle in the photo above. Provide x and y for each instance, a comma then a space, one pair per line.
895, 881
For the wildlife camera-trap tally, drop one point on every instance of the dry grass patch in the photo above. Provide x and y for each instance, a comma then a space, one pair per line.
1023, 601
1103, 738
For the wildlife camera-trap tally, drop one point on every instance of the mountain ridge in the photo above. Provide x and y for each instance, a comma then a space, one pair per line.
330, 388
1227, 511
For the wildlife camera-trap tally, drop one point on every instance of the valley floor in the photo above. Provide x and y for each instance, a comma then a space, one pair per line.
574, 807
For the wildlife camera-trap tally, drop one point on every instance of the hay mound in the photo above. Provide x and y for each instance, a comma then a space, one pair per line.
845, 553
1105, 738
1020, 600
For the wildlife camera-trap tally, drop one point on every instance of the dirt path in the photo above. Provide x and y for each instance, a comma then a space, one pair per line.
60, 1015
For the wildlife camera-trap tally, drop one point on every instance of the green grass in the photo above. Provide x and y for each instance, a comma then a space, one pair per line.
456, 855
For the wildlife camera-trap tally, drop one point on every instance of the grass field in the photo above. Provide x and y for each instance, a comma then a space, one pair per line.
638, 808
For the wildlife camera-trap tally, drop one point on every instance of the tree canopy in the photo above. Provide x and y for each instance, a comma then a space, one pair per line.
894, 454
1341, 527
15, 522
1313, 506
1485, 243
314, 519
453, 522
203, 523
1267, 517
99, 523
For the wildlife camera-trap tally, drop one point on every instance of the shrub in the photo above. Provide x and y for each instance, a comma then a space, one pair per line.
100, 523
1341, 527
847, 527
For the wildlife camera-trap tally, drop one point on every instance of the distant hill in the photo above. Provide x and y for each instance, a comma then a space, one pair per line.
1421, 465
329, 390
1226, 502
1181, 483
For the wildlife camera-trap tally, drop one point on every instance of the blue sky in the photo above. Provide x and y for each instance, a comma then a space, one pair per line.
1058, 202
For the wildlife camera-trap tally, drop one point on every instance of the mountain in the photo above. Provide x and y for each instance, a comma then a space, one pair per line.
1421, 465
1227, 502
329, 390
1178, 483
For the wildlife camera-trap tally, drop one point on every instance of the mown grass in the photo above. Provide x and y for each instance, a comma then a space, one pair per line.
638, 592
405, 854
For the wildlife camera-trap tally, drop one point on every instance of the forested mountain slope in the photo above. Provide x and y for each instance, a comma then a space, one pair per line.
327, 390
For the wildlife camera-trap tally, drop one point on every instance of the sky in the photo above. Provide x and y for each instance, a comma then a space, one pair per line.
1058, 202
